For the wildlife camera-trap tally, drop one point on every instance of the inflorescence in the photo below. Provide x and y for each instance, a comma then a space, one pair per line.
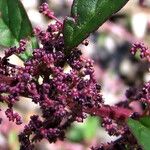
143, 50
63, 96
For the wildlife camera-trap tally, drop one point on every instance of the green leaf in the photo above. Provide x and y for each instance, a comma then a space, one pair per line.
14, 23
76, 134
141, 130
13, 140
87, 16
31, 44
91, 127
84, 131
145, 121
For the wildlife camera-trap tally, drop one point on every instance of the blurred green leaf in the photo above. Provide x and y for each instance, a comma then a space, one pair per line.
87, 16
84, 131
90, 128
145, 121
76, 134
13, 140
141, 130
14, 23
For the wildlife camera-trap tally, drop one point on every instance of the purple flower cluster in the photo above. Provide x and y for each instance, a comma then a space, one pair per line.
44, 9
122, 143
62, 95
113, 128
144, 51
141, 94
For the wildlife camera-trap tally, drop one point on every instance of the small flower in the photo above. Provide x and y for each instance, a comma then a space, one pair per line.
144, 51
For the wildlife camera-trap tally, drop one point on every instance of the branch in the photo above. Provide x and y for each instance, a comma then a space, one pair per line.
113, 112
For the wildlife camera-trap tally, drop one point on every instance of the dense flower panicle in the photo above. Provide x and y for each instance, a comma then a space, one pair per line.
44, 9
113, 128
62, 95
144, 51
16, 50
13, 116
141, 94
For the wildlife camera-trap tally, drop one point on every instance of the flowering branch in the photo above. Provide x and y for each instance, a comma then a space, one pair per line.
63, 97
44, 9
113, 112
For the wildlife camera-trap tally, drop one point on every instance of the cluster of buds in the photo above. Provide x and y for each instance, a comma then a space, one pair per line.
144, 51
63, 95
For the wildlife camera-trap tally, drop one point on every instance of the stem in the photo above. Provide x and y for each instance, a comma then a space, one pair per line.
5, 79
112, 112
53, 17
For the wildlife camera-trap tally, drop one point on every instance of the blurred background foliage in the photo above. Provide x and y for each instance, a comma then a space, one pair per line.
115, 69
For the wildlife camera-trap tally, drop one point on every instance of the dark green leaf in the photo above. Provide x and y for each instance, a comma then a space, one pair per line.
14, 23
141, 130
87, 16
145, 121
